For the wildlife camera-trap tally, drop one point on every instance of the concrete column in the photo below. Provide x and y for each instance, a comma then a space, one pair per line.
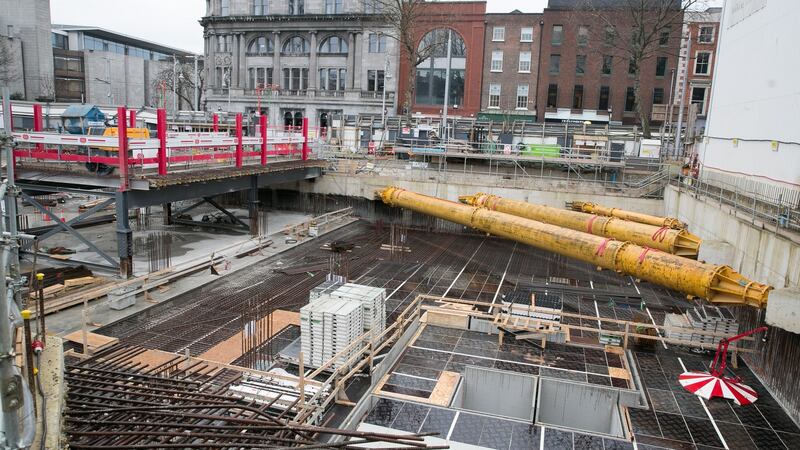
253, 205
235, 60
313, 76
166, 208
357, 61
276, 59
211, 43
350, 60
242, 81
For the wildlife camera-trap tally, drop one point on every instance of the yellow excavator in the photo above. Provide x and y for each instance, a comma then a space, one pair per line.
718, 284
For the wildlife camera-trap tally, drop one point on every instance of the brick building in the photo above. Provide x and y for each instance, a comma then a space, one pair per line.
585, 71
702, 28
510, 66
466, 20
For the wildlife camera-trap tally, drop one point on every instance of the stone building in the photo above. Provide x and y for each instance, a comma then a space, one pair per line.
321, 59
25, 48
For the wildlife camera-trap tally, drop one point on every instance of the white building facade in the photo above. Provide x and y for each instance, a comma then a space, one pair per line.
322, 59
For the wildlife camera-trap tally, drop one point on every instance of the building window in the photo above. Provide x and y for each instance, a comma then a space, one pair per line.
609, 36
706, 35
333, 6
260, 46
661, 66
69, 88
608, 60
260, 7
373, 7
603, 102
497, 61
332, 79
552, 95
699, 99
577, 97
333, 45
296, 7
702, 63
526, 34
558, 35
224, 43
630, 100
499, 34
225, 7
522, 96
663, 37
68, 63
375, 79
525, 62
431, 73
60, 41
555, 64
494, 95
377, 43
583, 35
296, 46
658, 96
580, 64
259, 77
295, 79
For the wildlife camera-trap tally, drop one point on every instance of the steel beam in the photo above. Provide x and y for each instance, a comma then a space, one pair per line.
71, 230
72, 222
124, 236
60, 188
252, 210
225, 211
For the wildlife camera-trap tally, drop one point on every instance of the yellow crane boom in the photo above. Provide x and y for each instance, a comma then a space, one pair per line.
677, 242
633, 216
718, 284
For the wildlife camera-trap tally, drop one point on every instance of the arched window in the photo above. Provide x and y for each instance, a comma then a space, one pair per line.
260, 46
432, 72
296, 46
333, 44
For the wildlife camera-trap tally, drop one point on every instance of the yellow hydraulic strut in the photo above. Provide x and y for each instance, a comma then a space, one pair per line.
600, 210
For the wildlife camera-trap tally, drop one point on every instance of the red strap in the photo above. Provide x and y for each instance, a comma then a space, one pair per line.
602, 248
645, 252
660, 234
589, 225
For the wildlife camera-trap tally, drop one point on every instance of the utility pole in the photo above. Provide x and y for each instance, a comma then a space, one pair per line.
447, 83
678, 140
670, 104
196, 88
174, 86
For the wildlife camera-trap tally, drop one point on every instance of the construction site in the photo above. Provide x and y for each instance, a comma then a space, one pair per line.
224, 282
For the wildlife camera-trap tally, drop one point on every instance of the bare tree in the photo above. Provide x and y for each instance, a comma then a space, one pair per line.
405, 21
638, 30
183, 77
47, 90
9, 71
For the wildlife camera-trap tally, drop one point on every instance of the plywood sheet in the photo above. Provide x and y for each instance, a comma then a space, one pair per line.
94, 341
448, 320
230, 349
617, 372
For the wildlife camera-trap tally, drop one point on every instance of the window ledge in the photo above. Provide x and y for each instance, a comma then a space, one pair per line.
520, 109
498, 40
524, 71
492, 107
496, 71
526, 41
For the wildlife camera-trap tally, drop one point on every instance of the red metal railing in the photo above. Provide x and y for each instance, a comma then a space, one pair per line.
169, 151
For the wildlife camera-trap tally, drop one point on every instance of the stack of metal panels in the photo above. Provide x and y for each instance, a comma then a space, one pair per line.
373, 303
326, 287
327, 327
713, 319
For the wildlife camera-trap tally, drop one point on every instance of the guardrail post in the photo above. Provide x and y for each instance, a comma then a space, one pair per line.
215, 121
263, 122
161, 129
122, 149
239, 149
305, 138
37, 122
133, 119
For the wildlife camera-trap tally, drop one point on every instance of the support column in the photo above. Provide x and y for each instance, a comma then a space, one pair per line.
235, 60
122, 147
166, 209
313, 76
276, 59
253, 205
350, 60
124, 237
211, 60
242, 61
357, 61
37, 122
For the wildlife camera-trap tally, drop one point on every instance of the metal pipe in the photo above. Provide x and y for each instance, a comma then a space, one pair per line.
718, 284
677, 242
600, 210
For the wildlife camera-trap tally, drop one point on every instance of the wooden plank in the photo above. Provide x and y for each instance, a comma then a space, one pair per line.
82, 281
618, 372
445, 388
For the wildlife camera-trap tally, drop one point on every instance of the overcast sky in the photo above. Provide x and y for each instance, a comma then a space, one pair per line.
174, 22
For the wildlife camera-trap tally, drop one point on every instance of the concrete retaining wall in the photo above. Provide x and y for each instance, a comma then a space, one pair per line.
758, 252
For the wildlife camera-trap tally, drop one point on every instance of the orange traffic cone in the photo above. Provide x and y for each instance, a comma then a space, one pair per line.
46, 217
62, 215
